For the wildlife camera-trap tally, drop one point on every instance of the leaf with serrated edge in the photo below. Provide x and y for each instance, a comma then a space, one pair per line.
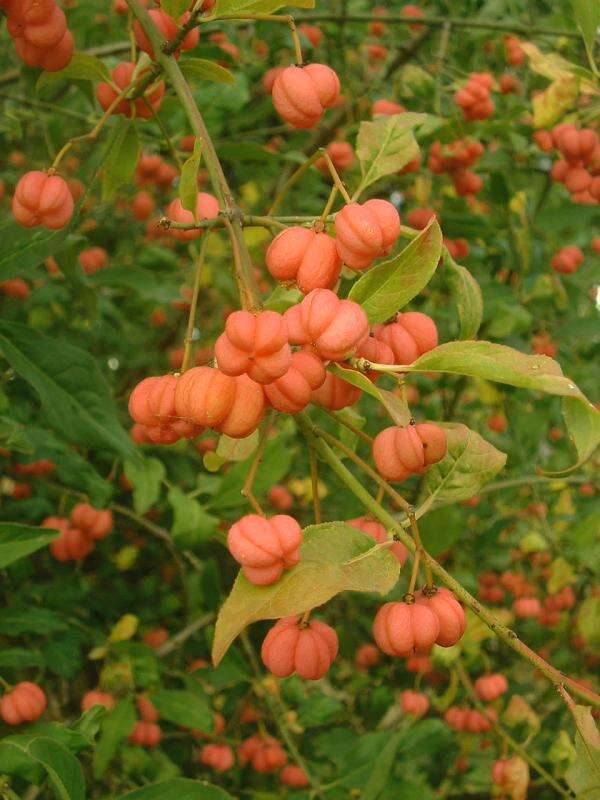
397, 410
385, 145
388, 287
470, 462
334, 558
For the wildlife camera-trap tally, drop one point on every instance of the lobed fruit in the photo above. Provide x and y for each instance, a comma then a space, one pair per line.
293, 647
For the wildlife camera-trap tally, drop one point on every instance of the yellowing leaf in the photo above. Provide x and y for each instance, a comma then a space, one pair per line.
554, 67
550, 105
124, 629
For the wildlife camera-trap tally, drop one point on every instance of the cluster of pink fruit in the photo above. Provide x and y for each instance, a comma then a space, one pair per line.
578, 168
39, 32
78, 534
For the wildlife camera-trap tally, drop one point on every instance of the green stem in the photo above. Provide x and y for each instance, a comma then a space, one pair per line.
508, 636
188, 341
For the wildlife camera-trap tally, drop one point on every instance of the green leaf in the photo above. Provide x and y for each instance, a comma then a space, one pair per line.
82, 67
397, 410
185, 708
258, 6
73, 392
469, 463
388, 287
123, 150
14, 436
64, 771
382, 768
175, 8
115, 727
588, 621
281, 299
587, 14
334, 558
188, 183
149, 285
468, 298
22, 249
200, 69
385, 145
191, 523
178, 789
229, 449
583, 776
18, 541
146, 476
495, 362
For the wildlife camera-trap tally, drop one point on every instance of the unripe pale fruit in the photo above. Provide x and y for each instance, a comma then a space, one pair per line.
334, 328
449, 612
387, 108
122, 77
414, 704
307, 650
401, 452
42, 199
293, 776
401, 629
265, 548
96, 698
365, 232
217, 756
207, 207
306, 257
335, 393
341, 155
25, 703
92, 521
255, 344
491, 687
409, 336
301, 94
146, 734
379, 534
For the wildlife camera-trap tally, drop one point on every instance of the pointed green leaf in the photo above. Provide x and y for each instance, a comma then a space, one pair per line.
18, 541
386, 144
201, 69
146, 475
468, 298
188, 184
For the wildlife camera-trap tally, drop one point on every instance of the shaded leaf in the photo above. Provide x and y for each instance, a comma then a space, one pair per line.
334, 558
123, 150
18, 541
115, 728
82, 67
146, 477
388, 287
468, 298
200, 69
185, 708
178, 789
22, 249
65, 774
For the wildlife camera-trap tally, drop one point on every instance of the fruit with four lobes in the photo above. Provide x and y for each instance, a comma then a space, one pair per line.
379, 534
307, 650
72, 544
25, 702
40, 35
401, 452
410, 335
168, 29
96, 698
301, 94
341, 155
42, 199
254, 344
567, 260
491, 687
366, 231
334, 328
375, 352
122, 76
263, 753
265, 548
95, 523
293, 776
387, 108
306, 257
146, 734
449, 612
291, 393
401, 629
207, 207
209, 399
335, 393
217, 756
414, 704
366, 656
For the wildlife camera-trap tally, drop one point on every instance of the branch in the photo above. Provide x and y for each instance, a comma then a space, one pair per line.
508, 636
